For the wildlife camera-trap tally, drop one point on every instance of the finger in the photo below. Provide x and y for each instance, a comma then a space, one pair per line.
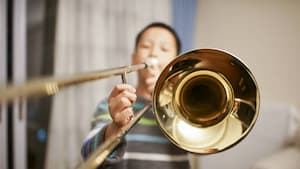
121, 87
121, 101
127, 94
124, 117
117, 104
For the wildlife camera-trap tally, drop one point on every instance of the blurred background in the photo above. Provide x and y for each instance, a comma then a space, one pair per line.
62, 37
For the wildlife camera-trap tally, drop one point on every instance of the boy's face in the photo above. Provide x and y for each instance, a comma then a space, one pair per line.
155, 43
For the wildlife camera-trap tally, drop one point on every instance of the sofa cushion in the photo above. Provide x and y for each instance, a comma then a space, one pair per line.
288, 158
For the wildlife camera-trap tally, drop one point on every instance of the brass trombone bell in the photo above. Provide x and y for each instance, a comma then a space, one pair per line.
206, 101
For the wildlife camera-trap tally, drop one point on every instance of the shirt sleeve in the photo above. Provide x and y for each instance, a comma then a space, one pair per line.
95, 137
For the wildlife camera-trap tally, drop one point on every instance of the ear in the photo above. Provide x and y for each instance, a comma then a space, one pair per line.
133, 58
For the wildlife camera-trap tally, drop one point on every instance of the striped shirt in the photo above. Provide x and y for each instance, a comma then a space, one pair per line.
144, 145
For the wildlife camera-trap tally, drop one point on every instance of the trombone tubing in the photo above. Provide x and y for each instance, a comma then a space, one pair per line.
50, 86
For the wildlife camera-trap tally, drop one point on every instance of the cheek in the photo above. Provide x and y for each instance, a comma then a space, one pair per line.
142, 74
140, 57
165, 61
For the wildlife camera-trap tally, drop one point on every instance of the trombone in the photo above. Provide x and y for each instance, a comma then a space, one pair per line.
205, 101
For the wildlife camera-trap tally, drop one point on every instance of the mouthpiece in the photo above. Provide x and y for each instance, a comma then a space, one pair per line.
151, 63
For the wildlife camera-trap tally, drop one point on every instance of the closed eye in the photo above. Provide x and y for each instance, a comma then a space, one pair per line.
165, 49
145, 45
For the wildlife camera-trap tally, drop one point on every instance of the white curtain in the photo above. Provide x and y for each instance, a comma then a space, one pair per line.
91, 35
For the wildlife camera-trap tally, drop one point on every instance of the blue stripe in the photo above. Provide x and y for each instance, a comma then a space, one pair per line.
87, 141
146, 138
138, 106
103, 106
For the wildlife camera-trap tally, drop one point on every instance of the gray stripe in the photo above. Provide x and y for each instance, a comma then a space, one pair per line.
135, 146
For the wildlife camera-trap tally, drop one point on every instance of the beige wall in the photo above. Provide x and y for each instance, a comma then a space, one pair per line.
265, 34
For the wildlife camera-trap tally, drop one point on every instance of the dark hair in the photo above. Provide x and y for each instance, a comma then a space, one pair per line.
161, 25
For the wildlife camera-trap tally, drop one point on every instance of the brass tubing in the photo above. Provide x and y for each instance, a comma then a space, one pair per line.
50, 86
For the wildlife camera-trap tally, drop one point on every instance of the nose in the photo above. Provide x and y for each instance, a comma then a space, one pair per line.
154, 51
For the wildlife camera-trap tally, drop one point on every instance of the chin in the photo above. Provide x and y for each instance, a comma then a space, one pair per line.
151, 89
